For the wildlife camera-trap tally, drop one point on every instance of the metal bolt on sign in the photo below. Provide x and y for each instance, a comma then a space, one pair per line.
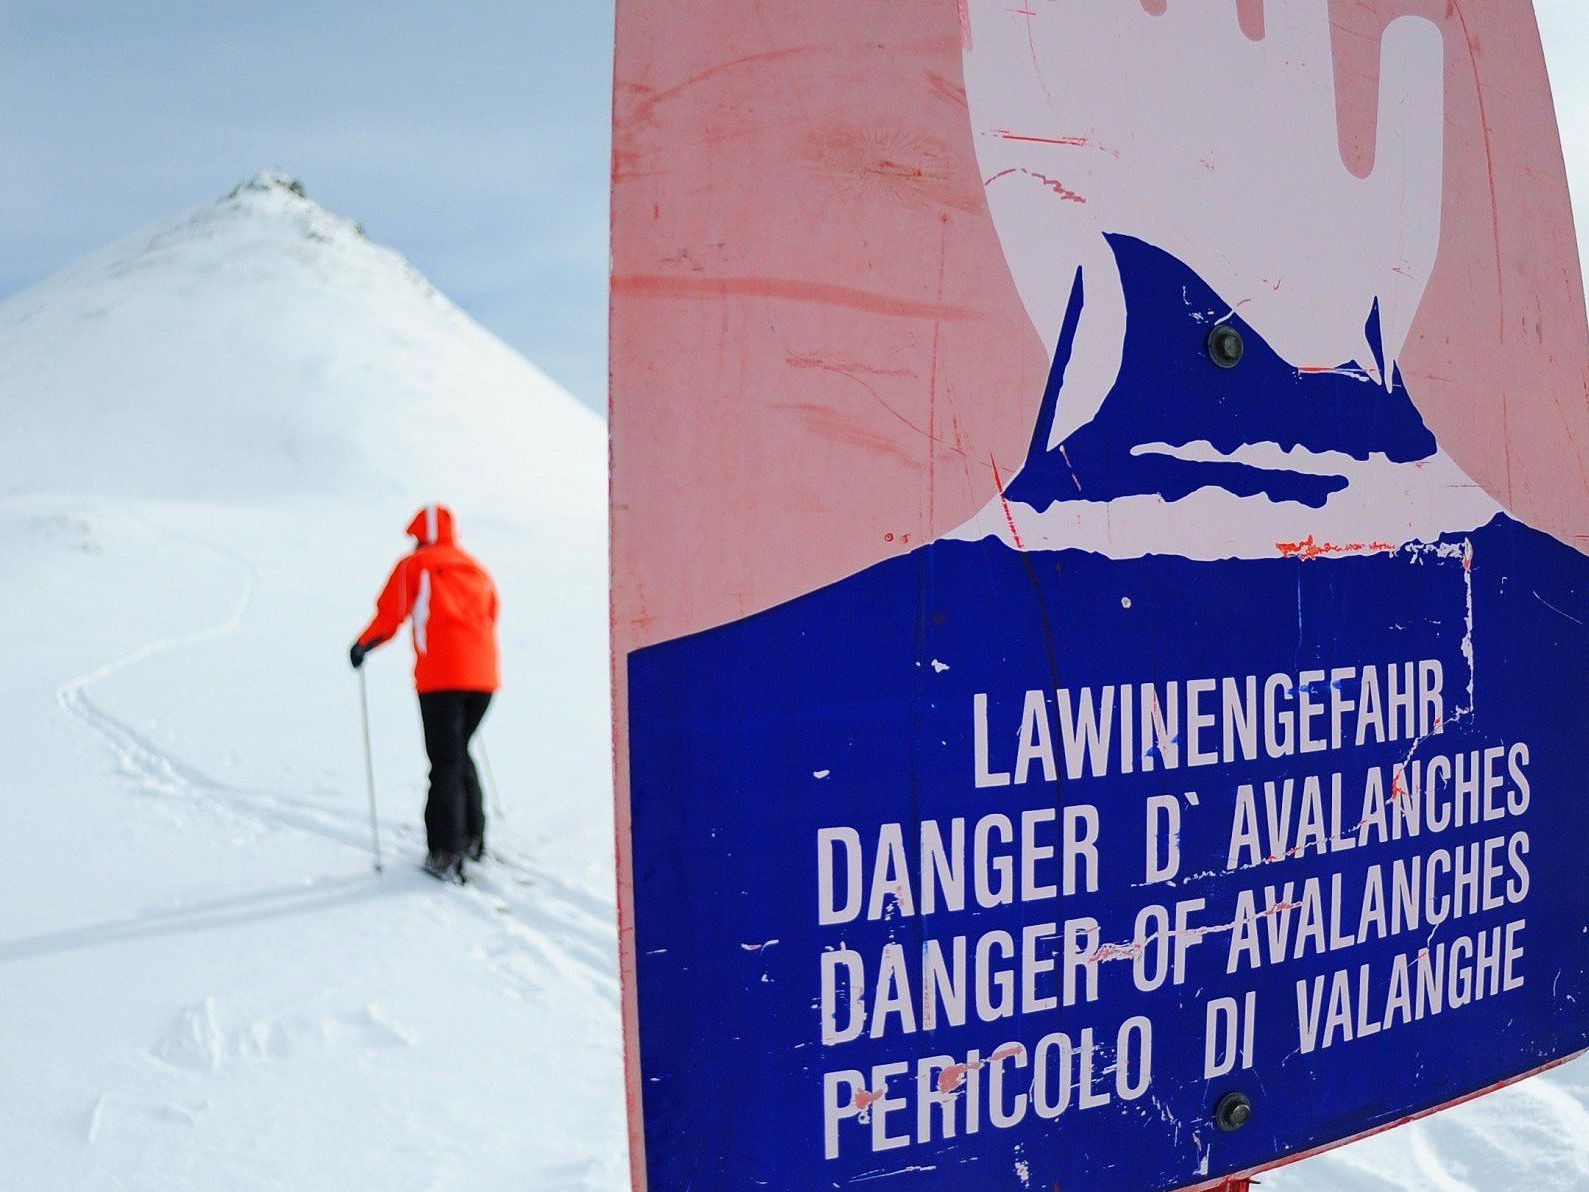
1226, 346
1233, 1112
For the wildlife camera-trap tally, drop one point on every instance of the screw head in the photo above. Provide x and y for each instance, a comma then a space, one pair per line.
1225, 346
1233, 1112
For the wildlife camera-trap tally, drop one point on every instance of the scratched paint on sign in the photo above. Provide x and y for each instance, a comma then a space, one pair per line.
1031, 729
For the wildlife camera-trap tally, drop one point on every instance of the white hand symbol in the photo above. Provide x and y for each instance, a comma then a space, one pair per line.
1095, 116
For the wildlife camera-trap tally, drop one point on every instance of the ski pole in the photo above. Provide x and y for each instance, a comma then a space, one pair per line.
369, 768
491, 781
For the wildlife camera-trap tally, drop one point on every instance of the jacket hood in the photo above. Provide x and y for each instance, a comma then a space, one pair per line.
432, 524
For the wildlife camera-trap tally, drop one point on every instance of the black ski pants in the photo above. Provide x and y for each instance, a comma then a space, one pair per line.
455, 811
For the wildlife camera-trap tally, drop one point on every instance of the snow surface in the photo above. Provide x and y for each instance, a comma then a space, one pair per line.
215, 432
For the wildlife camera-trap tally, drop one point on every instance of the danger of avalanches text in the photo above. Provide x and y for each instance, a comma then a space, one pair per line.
1032, 857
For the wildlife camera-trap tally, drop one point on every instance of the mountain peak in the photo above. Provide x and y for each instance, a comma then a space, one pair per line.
269, 180
261, 344
278, 195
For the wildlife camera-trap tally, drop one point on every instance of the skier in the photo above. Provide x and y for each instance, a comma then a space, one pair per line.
452, 603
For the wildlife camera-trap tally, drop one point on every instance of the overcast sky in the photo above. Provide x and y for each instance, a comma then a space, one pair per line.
471, 135
1564, 26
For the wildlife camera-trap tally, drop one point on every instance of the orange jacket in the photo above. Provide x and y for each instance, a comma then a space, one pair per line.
452, 603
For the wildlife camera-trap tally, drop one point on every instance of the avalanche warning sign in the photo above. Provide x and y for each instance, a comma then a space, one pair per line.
1099, 592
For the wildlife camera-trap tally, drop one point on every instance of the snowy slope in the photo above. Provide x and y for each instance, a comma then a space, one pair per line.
216, 431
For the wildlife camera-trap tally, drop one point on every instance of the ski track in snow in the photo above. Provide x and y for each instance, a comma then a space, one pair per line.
544, 924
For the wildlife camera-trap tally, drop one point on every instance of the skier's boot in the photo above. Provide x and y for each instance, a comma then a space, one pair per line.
476, 851
446, 867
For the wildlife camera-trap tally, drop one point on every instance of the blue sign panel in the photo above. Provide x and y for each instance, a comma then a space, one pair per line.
1003, 867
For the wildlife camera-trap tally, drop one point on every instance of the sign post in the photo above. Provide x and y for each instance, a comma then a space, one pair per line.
1099, 584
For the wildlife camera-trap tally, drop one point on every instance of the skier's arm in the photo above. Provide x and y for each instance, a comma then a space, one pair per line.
392, 607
